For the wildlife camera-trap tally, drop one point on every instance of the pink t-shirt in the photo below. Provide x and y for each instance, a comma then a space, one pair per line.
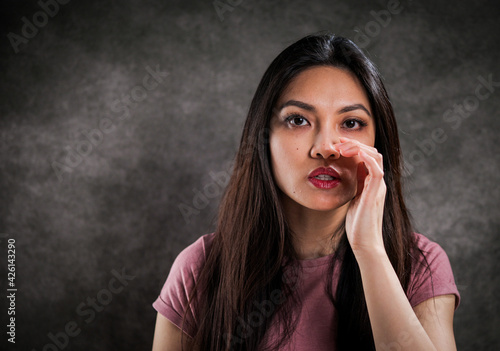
317, 317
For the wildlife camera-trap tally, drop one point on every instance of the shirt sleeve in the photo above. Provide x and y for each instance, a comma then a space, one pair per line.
174, 296
431, 276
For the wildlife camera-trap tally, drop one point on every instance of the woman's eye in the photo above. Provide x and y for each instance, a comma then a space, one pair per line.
354, 124
297, 120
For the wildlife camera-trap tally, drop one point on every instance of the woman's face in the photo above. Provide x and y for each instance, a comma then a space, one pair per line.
318, 107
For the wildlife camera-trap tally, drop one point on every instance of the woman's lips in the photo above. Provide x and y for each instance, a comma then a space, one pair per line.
324, 178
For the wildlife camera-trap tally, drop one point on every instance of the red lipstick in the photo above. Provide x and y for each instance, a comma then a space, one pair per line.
324, 178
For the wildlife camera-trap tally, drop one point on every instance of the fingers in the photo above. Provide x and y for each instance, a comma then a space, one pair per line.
374, 167
374, 188
370, 170
345, 141
350, 148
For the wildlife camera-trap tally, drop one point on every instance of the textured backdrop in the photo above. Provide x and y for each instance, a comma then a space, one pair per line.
119, 121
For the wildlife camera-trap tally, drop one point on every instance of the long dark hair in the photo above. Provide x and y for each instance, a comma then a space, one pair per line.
246, 266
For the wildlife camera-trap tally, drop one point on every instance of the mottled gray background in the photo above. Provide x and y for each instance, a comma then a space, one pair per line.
118, 207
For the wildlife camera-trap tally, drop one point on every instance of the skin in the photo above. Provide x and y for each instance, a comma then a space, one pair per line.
324, 134
324, 119
168, 336
321, 135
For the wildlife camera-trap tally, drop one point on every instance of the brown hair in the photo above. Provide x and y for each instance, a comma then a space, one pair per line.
252, 246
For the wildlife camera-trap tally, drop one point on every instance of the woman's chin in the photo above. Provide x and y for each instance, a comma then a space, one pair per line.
324, 206
317, 203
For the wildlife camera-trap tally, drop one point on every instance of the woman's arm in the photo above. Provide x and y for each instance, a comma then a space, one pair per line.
436, 316
168, 336
395, 324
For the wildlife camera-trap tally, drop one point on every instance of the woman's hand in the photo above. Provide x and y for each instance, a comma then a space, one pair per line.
365, 213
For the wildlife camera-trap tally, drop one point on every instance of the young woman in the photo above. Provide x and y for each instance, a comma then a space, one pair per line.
314, 249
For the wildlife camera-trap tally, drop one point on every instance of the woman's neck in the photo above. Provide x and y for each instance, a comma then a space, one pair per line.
315, 233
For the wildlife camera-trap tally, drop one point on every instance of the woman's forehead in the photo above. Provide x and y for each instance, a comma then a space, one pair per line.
325, 87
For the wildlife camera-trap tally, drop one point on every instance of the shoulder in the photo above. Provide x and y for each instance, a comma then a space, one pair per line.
424, 243
174, 297
431, 255
431, 273
194, 255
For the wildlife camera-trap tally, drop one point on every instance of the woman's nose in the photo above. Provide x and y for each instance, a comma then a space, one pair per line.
324, 145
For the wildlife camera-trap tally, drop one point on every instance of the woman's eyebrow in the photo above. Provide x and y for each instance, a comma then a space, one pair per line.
354, 107
300, 104
311, 108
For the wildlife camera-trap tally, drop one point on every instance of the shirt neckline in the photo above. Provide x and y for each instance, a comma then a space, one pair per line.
313, 262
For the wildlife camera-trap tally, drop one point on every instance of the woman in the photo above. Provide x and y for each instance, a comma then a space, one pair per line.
314, 248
